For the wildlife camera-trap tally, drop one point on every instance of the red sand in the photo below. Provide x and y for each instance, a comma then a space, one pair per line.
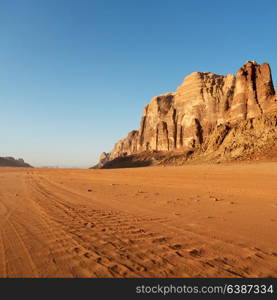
191, 221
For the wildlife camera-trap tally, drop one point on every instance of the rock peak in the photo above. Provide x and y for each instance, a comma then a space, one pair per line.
253, 62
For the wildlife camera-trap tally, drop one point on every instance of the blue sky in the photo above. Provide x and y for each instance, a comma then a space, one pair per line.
75, 75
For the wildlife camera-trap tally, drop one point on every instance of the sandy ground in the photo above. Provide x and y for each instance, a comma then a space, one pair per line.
191, 221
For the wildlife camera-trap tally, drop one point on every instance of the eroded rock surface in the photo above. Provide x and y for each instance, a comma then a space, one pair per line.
204, 102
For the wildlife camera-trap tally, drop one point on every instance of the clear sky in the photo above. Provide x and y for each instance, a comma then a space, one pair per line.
76, 74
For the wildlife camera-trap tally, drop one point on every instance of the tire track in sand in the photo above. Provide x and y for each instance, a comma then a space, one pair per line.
3, 271
56, 231
124, 241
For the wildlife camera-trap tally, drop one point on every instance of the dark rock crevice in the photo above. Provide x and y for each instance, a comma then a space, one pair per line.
254, 86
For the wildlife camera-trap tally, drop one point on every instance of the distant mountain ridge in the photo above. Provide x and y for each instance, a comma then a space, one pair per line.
210, 117
12, 162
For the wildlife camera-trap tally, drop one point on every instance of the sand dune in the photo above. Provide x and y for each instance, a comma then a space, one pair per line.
191, 221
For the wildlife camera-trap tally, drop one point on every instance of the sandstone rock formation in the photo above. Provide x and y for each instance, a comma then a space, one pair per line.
103, 159
204, 104
12, 162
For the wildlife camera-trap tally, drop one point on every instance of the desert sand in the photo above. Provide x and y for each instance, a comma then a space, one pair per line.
191, 221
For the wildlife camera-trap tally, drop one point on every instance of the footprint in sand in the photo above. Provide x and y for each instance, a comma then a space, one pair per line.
77, 250
176, 247
160, 240
87, 255
195, 252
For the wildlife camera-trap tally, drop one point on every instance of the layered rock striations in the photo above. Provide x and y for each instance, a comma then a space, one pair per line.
204, 102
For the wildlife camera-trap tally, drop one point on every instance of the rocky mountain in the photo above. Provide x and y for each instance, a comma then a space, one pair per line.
12, 162
209, 117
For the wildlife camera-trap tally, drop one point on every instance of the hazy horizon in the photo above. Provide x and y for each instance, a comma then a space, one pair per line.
75, 75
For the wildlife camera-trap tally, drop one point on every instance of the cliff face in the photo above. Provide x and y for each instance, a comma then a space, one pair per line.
184, 120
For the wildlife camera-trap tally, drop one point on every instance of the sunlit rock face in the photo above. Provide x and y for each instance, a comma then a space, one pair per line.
184, 119
254, 91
